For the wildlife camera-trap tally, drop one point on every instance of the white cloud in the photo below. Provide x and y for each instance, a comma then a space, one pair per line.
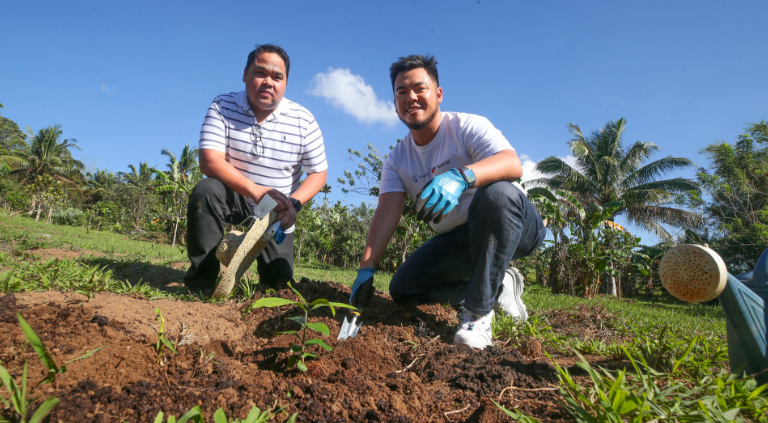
529, 166
349, 93
108, 88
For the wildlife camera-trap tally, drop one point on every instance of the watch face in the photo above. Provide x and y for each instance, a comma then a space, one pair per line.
469, 175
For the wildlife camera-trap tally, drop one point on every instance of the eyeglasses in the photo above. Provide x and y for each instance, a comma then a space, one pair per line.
258, 143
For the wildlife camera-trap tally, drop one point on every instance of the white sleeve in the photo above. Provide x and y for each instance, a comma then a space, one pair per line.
390, 179
213, 132
481, 138
313, 155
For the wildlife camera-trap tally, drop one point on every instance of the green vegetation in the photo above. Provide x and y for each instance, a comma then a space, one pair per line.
162, 341
606, 171
736, 208
299, 351
195, 415
18, 394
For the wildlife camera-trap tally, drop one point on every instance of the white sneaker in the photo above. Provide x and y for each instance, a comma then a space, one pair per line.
510, 301
474, 330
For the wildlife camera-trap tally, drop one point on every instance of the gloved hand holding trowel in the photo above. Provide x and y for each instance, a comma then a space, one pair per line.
362, 292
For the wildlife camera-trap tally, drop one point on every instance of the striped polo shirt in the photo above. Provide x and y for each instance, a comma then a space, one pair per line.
291, 139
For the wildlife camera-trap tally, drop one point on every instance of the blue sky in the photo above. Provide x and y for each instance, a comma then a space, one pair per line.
130, 78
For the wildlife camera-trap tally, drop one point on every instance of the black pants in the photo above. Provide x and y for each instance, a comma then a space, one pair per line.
467, 264
211, 206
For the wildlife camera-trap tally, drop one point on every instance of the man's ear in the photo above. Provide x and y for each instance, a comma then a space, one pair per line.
439, 93
245, 72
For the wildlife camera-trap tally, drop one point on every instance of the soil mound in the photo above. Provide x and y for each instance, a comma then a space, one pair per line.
400, 368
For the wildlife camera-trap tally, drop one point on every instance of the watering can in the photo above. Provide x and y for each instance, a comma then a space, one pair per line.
695, 273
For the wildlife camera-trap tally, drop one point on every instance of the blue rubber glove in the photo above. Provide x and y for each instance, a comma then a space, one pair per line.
440, 196
362, 276
279, 235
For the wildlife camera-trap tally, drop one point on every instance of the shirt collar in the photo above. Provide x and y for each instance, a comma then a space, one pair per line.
242, 100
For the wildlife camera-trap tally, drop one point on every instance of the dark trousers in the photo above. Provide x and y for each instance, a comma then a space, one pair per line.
466, 265
211, 205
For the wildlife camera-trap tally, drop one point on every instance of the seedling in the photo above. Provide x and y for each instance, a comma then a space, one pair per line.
162, 341
195, 415
18, 395
41, 351
299, 350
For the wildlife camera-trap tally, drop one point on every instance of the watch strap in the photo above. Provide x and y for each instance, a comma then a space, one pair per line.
296, 204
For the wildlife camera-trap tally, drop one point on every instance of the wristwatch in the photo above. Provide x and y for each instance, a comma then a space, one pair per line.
469, 176
296, 204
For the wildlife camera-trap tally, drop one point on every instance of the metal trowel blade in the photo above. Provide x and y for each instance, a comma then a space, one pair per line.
349, 329
265, 206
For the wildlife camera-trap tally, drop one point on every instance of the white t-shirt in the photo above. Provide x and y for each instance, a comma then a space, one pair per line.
463, 139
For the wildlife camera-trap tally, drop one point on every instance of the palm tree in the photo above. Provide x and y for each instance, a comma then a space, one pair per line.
326, 189
187, 162
46, 155
606, 171
43, 161
141, 177
98, 182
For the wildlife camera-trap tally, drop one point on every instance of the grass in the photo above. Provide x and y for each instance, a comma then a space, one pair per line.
675, 353
640, 311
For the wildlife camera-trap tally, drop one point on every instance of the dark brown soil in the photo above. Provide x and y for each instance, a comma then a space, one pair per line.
402, 366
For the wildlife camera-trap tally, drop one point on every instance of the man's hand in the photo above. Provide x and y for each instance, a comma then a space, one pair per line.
257, 192
362, 276
440, 196
287, 217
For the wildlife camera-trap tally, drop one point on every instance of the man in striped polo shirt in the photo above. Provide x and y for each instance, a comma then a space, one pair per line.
253, 143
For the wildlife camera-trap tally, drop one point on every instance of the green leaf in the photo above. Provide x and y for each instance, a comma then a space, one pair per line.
319, 342
343, 305
87, 354
730, 415
296, 348
253, 415
167, 342
287, 332
292, 361
159, 417
301, 366
319, 327
271, 302
297, 319
219, 416
303, 301
44, 409
194, 414
39, 348
319, 303
292, 419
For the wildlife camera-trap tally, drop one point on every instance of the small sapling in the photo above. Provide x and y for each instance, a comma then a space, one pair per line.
299, 350
162, 341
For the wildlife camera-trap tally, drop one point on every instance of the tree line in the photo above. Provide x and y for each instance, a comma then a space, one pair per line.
725, 205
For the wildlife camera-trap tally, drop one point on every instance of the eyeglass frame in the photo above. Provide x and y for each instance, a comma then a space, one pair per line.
257, 141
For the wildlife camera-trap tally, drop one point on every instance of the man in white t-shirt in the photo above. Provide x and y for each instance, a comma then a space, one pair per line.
458, 168
253, 143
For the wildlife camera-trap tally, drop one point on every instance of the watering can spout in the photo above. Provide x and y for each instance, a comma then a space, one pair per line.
694, 273
760, 274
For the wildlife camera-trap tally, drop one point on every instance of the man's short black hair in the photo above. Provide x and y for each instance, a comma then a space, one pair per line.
269, 48
414, 61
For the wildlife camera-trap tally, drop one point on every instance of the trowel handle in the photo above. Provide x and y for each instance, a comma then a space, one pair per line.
363, 295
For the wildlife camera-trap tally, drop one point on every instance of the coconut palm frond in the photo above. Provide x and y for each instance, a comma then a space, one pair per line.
655, 170
653, 227
667, 215
671, 186
637, 154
